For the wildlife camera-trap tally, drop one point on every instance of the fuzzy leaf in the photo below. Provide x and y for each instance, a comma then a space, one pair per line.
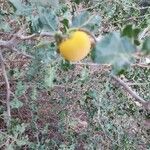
86, 20
46, 20
132, 33
146, 46
114, 50
15, 103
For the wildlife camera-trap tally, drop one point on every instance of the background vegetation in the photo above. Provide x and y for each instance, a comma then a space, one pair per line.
99, 103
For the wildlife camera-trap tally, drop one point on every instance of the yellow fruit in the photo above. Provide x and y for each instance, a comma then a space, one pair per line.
76, 47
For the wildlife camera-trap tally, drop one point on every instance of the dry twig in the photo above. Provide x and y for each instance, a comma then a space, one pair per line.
145, 104
7, 88
27, 37
18, 37
136, 97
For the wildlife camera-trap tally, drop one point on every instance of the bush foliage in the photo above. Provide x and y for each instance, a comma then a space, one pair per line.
47, 102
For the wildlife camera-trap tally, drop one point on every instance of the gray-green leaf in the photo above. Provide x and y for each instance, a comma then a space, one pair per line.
86, 20
15, 103
146, 46
115, 50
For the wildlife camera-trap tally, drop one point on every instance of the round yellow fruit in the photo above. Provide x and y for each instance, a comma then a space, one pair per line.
76, 47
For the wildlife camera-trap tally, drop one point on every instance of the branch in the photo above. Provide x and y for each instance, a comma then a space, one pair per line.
22, 53
23, 37
13, 42
142, 65
7, 88
8, 44
49, 34
142, 35
11, 45
145, 104
137, 98
26, 37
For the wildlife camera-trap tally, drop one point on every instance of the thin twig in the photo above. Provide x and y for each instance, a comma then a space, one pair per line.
142, 65
131, 18
91, 7
13, 42
137, 84
142, 35
7, 88
90, 64
130, 91
26, 37
11, 45
23, 37
8, 44
145, 104
49, 34
22, 53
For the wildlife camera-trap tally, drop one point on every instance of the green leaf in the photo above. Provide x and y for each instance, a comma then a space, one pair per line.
50, 76
65, 22
86, 20
84, 74
132, 33
46, 20
136, 32
10, 146
127, 31
146, 46
46, 3
20, 128
21, 8
80, 20
66, 65
114, 50
17, 4
21, 142
34, 93
34, 24
15, 103
45, 52
4, 25
78, 1
20, 89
